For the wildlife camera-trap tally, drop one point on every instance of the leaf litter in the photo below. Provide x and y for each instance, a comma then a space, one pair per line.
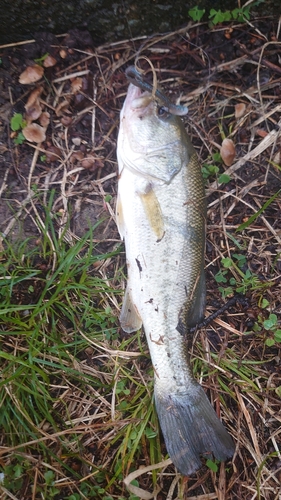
96, 423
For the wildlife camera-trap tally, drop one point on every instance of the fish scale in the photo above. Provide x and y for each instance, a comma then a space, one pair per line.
161, 217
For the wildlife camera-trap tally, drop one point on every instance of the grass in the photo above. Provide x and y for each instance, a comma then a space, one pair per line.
76, 406
62, 384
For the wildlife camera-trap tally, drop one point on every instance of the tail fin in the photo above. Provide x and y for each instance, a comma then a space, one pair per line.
191, 429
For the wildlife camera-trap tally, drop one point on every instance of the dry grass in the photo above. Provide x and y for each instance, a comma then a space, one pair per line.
76, 402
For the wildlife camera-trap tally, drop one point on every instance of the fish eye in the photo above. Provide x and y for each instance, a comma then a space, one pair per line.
163, 112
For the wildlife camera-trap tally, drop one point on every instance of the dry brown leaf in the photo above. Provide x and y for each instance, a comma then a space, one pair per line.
31, 74
76, 84
34, 133
61, 108
76, 156
261, 133
144, 494
66, 120
3, 148
240, 110
227, 151
52, 154
88, 162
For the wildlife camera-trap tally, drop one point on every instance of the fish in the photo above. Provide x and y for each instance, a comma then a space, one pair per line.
161, 216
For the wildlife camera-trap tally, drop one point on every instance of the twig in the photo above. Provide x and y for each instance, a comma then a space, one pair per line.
261, 60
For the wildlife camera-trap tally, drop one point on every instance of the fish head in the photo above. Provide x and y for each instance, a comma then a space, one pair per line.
151, 141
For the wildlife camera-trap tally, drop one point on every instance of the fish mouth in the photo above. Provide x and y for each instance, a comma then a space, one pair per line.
137, 79
136, 98
133, 92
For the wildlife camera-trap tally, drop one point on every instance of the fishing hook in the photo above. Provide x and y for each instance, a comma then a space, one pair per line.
135, 77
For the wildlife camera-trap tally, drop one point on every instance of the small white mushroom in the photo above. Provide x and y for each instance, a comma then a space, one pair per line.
31, 74
240, 110
49, 61
44, 119
227, 151
34, 133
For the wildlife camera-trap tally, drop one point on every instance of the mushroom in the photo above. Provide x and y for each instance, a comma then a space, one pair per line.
44, 119
228, 151
49, 61
33, 111
34, 133
31, 74
32, 107
240, 109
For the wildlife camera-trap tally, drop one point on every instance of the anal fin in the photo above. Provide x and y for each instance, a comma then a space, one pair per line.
130, 320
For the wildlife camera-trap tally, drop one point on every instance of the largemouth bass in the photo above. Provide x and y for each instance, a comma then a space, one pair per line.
161, 216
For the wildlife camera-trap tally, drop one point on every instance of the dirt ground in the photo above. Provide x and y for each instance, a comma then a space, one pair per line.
230, 78
211, 70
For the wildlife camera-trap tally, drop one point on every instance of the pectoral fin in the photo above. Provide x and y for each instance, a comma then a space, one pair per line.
129, 318
119, 217
153, 213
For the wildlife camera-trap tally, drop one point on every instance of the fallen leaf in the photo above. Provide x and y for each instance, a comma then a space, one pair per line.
76, 156
66, 120
62, 106
261, 133
76, 84
88, 162
227, 151
52, 154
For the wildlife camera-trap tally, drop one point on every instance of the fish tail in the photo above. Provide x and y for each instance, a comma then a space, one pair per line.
191, 429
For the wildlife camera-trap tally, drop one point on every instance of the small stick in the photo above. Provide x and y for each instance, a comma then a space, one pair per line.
255, 56
236, 299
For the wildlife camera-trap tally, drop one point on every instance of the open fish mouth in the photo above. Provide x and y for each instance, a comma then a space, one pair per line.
137, 101
137, 79
132, 94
